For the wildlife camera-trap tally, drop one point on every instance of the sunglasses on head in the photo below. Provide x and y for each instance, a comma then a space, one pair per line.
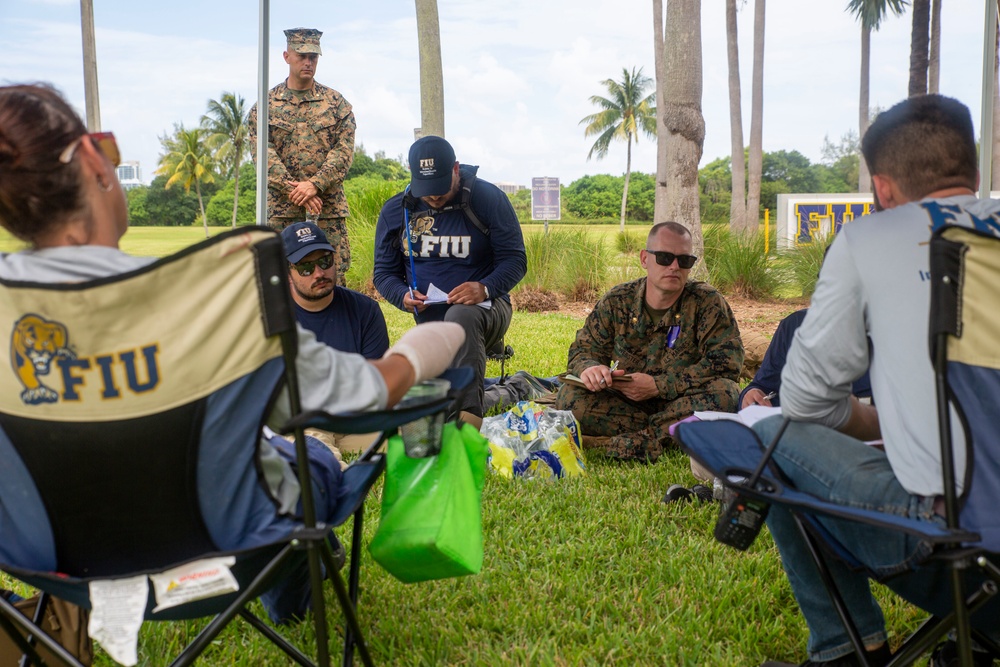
105, 142
306, 269
664, 258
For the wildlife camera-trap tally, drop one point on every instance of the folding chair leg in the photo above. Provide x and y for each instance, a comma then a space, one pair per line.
831, 589
313, 550
279, 641
352, 581
12, 620
352, 620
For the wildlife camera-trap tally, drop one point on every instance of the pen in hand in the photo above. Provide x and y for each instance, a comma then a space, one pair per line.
768, 397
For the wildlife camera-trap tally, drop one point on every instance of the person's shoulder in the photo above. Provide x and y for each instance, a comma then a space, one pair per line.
357, 298
703, 290
393, 203
280, 92
623, 292
330, 94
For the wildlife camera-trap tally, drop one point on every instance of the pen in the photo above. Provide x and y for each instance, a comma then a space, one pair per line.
614, 365
768, 397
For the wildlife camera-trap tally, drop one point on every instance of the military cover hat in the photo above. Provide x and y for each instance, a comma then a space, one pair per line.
304, 40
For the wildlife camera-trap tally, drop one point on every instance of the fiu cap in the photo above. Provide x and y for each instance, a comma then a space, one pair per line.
302, 238
304, 40
431, 162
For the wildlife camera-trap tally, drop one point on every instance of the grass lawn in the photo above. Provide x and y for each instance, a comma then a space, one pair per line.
586, 571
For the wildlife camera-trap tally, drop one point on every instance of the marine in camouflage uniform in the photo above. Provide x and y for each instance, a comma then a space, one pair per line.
699, 371
311, 138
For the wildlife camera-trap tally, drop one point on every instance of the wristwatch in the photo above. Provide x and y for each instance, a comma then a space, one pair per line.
486, 290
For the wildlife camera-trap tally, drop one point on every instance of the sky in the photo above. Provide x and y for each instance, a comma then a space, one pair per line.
518, 75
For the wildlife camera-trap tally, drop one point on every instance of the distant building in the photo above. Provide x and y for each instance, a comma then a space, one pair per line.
510, 188
129, 175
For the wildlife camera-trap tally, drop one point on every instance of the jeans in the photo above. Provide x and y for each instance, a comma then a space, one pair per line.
835, 467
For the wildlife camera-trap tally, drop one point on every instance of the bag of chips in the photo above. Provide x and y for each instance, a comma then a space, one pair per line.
533, 441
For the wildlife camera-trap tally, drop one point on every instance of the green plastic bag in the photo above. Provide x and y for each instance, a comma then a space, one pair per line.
431, 524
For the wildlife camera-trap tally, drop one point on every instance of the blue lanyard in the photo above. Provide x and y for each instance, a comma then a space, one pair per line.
409, 245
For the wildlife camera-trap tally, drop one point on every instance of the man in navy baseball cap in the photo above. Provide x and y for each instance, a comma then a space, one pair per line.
303, 238
433, 169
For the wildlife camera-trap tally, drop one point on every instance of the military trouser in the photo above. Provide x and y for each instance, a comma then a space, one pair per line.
638, 429
336, 233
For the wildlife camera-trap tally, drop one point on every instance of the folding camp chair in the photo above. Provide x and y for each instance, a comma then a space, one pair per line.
964, 328
130, 440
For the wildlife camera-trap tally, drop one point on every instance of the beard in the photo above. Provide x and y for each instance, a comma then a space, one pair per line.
315, 292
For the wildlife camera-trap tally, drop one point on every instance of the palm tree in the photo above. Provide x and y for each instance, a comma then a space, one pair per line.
187, 161
226, 125
431, 76
919, 44
755, 158
934, 54
738, 202
683, 116
627, 111
662, 132
870, 13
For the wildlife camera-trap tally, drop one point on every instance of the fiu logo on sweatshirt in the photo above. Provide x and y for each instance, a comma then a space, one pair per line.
44, 363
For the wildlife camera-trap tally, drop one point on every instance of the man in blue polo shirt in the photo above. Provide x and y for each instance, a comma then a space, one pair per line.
450, 248
342, 318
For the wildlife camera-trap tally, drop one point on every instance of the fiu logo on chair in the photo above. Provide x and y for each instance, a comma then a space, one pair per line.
37, 344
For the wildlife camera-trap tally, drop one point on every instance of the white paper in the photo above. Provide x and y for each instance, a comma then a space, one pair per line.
117, 608
749, 415
197, 580
436, 295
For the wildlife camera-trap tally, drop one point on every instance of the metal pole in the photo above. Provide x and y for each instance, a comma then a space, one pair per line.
263, 23
90, 92
986, 123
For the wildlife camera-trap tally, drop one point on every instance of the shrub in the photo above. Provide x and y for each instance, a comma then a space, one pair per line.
738, 263
630, 242
802, 263
571, 262
365, 197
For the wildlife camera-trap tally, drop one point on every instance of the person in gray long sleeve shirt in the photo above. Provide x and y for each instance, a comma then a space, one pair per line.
874, 285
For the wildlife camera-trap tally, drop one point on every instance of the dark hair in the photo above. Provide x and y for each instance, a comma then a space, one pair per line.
675, 227
924, 143
37, 191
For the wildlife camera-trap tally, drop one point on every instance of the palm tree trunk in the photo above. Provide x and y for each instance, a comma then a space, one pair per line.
864, 178
756, 157
738, 202
628, 173
662, 133
236, 191
201, 206
934, 59
431, 74
995, 170
918, 48
684, 120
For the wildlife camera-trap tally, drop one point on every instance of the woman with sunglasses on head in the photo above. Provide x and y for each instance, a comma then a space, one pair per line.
59, 193
653, 351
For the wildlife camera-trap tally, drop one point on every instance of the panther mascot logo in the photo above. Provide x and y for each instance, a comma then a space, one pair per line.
418, 227
35, 343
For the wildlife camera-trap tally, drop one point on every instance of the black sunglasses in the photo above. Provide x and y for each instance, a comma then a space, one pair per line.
664, 258
305, 269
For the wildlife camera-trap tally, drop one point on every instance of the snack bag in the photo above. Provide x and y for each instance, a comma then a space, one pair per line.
533, 441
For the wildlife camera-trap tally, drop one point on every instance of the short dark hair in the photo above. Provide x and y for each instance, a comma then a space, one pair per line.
925, 143
675, 227
37, 191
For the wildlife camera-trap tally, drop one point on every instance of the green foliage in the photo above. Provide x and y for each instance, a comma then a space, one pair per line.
226, 131
739, 264
571, 262
630, 242
220, 207
802, 263
378, 166
625, 112
600, 196
173, 207
365, 197
136, 200
521, 201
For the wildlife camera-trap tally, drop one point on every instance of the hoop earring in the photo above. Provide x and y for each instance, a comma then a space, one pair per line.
105, 187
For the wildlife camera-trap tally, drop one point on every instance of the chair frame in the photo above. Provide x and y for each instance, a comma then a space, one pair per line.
310, 536
950, 549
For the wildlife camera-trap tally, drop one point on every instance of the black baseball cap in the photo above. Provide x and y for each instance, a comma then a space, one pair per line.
302, 238
431, 162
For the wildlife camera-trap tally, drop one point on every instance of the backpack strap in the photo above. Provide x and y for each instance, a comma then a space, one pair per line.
467, 185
